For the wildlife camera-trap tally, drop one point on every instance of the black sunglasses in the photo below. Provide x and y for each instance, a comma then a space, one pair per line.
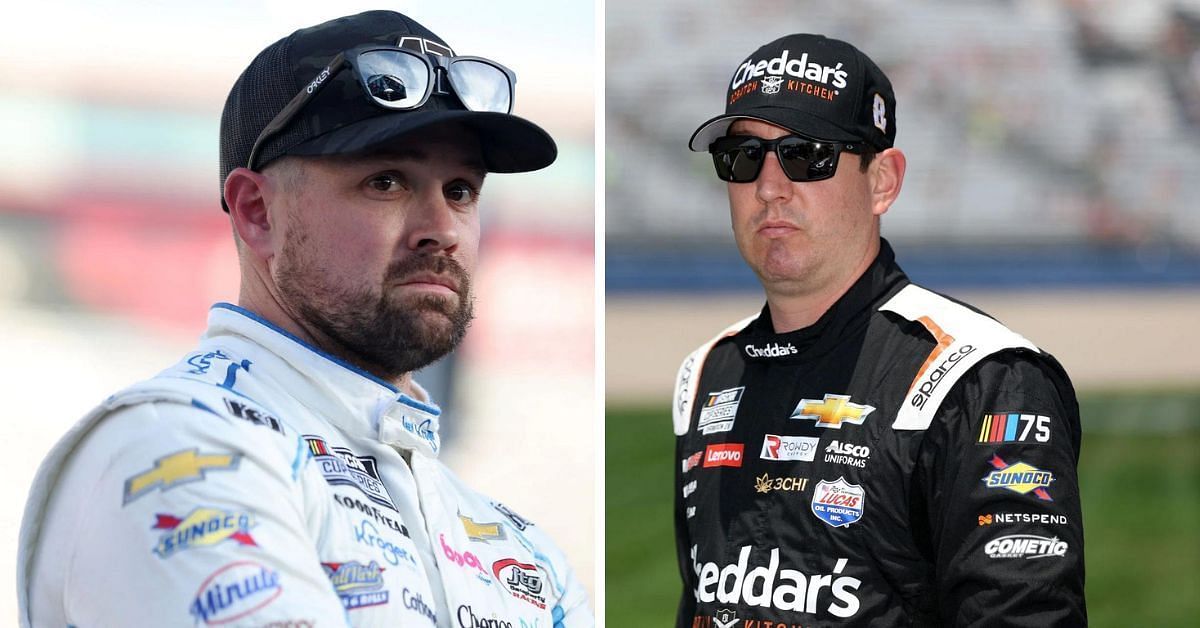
400, 79
739, 158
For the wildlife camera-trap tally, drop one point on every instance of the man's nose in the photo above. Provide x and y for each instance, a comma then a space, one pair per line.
772, 184
434, 226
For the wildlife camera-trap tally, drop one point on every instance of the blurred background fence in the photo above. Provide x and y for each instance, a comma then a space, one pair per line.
1054, 169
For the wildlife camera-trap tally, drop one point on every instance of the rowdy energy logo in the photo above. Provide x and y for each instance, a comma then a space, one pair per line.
201, 528
838, 503
802, 448
832, 411
180, 467
720, 410
357, 584
341, 466
521, 580
1019, 478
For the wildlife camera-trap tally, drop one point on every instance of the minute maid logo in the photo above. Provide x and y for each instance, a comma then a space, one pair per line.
201, 528
1019, 478
811, 76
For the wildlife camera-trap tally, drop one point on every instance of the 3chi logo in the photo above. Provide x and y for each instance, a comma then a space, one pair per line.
771, 84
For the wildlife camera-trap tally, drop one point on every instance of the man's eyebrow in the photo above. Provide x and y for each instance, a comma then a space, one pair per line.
419, 154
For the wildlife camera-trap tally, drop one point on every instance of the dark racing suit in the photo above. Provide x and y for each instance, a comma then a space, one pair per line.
903, 461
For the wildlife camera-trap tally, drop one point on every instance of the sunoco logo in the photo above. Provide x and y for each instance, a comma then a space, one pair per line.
1025, 546
771, 351
799, 67
930, 382
771, 587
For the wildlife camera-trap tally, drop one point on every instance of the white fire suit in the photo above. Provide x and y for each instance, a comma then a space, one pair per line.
261, 482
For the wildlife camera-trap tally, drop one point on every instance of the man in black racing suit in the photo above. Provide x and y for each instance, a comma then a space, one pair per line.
864, 451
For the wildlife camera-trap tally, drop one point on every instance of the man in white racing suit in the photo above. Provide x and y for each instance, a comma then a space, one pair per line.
285, 472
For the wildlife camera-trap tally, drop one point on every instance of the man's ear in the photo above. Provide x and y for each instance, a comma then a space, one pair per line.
887, 177
246, 194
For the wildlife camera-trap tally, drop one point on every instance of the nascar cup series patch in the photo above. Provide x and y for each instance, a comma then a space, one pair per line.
838, 503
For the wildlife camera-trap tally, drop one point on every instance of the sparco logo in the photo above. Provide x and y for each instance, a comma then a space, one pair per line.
771, 587
800, 68
771, 351
468, 619
1025, 545
931, 380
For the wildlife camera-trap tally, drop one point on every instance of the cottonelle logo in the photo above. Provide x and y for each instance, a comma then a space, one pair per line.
928, 382
771, 587
799, 67
775, 350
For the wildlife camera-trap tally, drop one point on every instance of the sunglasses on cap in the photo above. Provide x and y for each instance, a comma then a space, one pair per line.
400, 79
739, 158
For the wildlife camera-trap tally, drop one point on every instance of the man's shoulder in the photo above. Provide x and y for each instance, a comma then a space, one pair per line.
689, 374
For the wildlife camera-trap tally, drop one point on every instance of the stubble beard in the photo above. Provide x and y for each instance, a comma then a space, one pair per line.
385, 333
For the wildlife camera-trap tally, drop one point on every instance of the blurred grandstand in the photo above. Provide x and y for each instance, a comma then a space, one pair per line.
113, 244
1054, 161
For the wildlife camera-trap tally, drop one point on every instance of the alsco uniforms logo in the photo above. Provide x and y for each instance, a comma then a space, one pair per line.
1019, 478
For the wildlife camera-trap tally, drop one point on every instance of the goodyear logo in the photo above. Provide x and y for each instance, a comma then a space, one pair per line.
832, 411
201, 528
181, 467
1020, 478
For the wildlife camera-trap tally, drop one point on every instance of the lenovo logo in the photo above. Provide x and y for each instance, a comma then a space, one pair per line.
724, 455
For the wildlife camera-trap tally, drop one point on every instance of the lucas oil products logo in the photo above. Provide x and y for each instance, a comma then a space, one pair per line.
838, 503
1025, 546
769, 586
720, 410
342, 466
1020, 478
202, 527
774, 350
847, 453
723, 455
801, 448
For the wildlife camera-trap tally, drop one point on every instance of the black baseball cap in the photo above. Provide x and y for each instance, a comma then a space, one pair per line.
341, 119
812, 85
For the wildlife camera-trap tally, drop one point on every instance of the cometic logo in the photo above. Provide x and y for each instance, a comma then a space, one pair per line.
1025, 545
726, 455
771, 587
800, 68
771, 351
930, 381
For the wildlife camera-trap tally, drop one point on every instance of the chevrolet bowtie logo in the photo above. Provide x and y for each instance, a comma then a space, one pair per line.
832, 411
481, 531
180, 467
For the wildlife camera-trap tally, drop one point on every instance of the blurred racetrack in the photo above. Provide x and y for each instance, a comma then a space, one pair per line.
1052, 174
113, 244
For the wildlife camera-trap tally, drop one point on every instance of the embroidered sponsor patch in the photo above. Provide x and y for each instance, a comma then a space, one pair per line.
482, 532
720, 410
765, 483
202, 527
1027, 546
341, 466
1020, 478
358, 585
181, 467
838, 503
832, 411
234, 591
1013, 427
723, 455
522, 580
799, 448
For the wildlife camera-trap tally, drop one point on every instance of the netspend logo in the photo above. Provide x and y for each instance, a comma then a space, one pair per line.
771, 587
798, 67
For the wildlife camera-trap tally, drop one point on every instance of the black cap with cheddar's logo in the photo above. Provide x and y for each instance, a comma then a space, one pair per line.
812, 85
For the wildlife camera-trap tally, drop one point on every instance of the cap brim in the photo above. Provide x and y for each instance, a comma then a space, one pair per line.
510, 143
791, 119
